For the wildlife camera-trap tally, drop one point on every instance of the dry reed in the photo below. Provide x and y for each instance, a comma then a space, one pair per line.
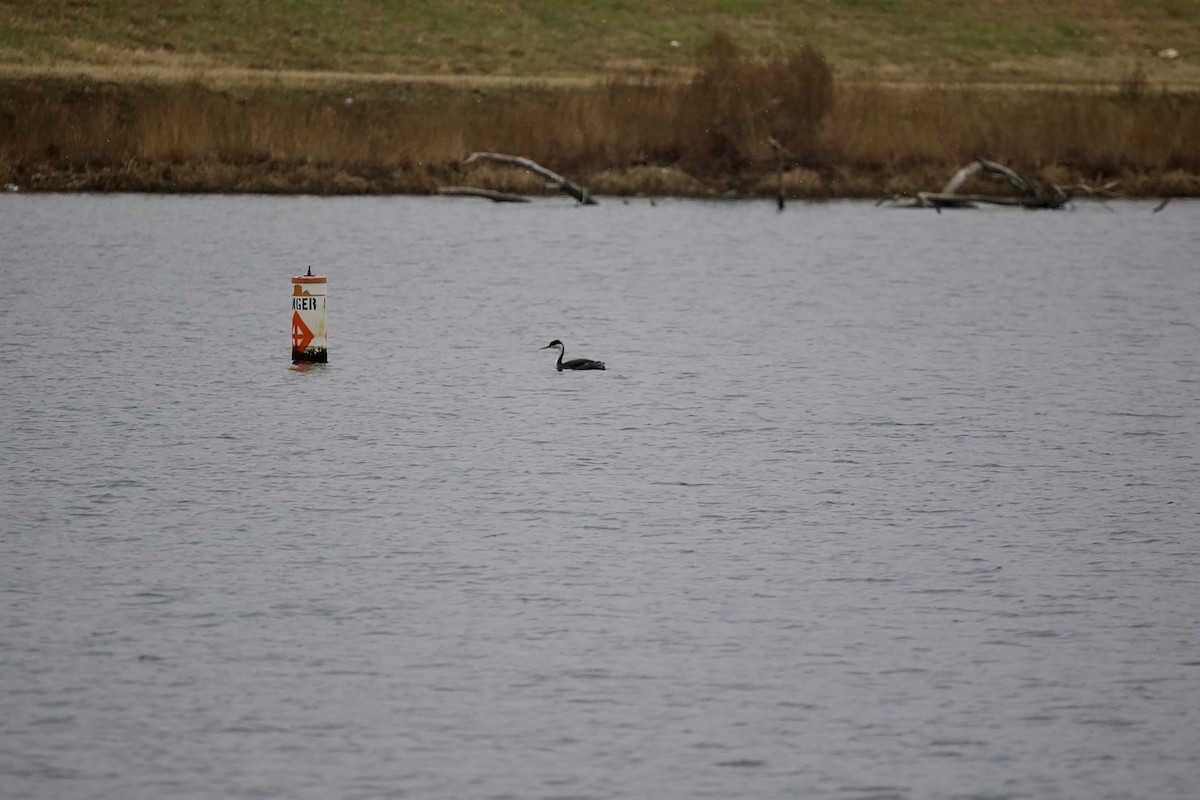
704, 136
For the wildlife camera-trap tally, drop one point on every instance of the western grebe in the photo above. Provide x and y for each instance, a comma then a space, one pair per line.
575, 363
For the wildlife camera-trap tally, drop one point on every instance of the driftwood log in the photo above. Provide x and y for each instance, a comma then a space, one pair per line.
1030, 194
578, 192
471, 191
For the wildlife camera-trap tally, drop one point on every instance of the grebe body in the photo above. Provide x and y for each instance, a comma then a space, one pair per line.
574, 363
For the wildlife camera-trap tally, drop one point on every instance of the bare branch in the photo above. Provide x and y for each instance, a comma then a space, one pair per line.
578, 192
1032, 193
961, 176
471, 191
1001, 171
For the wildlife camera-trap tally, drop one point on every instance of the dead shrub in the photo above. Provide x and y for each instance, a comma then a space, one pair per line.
734, 104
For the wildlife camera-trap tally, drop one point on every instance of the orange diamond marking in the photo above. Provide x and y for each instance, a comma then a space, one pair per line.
301, 336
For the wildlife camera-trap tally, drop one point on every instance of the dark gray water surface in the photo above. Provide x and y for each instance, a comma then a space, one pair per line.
869, 503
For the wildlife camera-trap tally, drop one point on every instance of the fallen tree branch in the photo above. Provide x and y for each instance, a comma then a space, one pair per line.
471, 191
578, 192
1103, 193
943, 200
992, 169
1032, 194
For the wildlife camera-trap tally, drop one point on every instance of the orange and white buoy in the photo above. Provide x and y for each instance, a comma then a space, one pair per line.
308, 319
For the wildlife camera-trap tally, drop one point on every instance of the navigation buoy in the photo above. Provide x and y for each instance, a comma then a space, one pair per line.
308, 319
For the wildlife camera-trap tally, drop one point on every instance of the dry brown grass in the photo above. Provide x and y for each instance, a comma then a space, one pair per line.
696, 137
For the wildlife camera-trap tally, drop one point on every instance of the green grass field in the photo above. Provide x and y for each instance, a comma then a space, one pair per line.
919, 40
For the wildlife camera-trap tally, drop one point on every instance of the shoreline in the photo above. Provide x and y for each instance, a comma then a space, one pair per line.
615, 185
305, 180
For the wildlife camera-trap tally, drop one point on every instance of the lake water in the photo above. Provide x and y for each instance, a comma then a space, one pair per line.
869, 503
